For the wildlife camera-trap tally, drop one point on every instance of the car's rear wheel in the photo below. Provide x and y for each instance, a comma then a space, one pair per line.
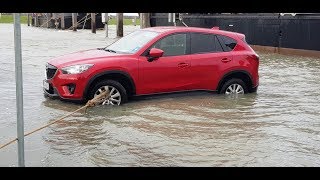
234, 86
118, 94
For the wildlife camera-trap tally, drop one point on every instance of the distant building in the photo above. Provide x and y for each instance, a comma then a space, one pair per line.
274, 31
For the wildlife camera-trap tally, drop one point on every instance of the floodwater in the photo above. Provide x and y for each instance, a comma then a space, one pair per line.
277, 126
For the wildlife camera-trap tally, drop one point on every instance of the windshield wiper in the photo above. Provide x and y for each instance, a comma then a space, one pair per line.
110, 50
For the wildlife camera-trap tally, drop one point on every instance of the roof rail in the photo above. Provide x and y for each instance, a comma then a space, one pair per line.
215, 27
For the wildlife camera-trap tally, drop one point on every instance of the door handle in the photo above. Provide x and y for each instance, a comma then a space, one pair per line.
183, 65
225, 60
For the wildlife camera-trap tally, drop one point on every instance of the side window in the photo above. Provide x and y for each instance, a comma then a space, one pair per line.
173, 45
204, 43
228, 42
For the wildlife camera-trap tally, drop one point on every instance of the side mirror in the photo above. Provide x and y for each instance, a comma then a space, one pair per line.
154, 53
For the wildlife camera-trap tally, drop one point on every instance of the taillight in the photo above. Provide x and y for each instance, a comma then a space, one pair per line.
255, 57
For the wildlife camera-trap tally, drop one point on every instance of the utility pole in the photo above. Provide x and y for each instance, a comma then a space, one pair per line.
74, 22
48, 17
135, 21
49, 20
36, 20
19, 88
106, 19
62, 21
93, 22
119, 24
144, 20
28, 19
172, 18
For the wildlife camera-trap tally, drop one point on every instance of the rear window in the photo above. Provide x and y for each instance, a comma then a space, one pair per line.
228, 42
204, 43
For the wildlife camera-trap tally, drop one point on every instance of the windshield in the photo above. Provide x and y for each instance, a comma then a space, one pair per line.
132, 42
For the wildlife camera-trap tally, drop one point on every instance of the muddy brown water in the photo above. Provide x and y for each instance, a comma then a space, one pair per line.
277, 126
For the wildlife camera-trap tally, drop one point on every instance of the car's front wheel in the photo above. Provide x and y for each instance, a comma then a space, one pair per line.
118, 94
234, 86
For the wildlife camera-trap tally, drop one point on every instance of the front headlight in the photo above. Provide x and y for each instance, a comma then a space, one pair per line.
76, 69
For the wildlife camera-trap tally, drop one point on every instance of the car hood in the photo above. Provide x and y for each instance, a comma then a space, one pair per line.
81, 57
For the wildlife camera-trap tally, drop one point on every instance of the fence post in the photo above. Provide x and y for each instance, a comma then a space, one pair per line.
144, 20
62, 21
119, 24
28, 19
74, 22
93, 22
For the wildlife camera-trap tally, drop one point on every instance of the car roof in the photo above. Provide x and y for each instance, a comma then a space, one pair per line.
172, 29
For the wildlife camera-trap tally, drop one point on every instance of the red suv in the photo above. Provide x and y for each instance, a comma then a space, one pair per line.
157, 60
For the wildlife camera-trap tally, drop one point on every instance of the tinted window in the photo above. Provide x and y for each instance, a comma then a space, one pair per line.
228, 42
173, 45
202, 43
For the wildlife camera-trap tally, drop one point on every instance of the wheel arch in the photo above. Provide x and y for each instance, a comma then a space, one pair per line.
122, 77
240, 74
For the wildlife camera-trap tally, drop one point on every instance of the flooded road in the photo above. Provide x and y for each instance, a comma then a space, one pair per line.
277, 126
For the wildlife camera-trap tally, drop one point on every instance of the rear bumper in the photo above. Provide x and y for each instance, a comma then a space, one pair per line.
253, 89
256, 84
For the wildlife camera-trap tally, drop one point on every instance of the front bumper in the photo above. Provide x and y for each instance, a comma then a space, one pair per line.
52, 92
65, 86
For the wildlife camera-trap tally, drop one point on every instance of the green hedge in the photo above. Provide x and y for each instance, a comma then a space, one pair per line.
24, 20
9, 19
125, 21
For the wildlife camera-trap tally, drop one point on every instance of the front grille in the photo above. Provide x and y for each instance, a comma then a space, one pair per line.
50, 70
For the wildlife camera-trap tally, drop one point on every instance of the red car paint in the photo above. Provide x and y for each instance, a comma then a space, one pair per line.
166, 74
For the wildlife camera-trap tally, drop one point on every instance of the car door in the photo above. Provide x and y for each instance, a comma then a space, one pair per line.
208, 59
169, 72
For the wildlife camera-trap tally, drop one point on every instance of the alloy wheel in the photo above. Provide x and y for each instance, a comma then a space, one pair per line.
114, 97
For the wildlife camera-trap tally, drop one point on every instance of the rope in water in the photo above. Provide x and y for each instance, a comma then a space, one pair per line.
91, 103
